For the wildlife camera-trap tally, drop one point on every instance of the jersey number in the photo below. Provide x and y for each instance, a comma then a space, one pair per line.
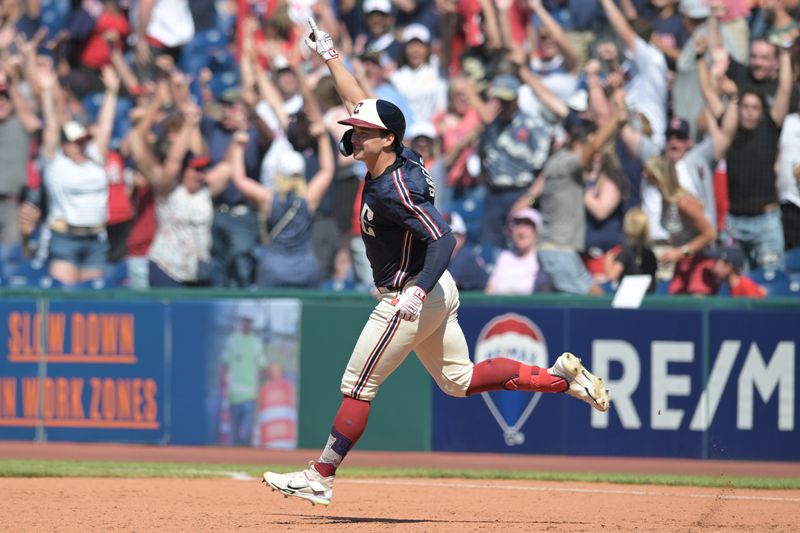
366, 217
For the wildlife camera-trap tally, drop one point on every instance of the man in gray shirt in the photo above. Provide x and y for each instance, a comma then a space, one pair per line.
16, 123
559, 196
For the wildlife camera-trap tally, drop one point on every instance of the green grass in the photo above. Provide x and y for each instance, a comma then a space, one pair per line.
47, 468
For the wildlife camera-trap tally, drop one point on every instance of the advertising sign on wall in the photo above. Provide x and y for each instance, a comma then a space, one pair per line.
242, 358
750, 404
505, 421
683, 384
82, 371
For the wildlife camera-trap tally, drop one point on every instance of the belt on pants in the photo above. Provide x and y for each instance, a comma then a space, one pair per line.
235, 210
60, 226
754, 211
386, 290
407, 283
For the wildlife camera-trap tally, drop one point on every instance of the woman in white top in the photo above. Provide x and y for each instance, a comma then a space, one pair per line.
690, 232
418, 78
184, 210
76, 183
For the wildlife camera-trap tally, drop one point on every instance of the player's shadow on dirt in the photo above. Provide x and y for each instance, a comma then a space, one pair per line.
358, 519
383, 520
369, 520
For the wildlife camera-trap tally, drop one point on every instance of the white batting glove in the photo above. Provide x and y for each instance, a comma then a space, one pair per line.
320, 41
409, 303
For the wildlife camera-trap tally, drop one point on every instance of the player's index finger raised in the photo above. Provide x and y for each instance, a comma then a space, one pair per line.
313, 24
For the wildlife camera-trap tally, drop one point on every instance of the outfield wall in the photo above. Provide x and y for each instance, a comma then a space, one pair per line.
695, 378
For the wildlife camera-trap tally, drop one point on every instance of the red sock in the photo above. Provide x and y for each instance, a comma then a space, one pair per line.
348, 426
502, 373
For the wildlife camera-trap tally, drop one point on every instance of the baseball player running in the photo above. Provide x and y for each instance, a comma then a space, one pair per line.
408, 245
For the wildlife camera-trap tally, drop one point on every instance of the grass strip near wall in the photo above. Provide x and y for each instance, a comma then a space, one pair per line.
53, 468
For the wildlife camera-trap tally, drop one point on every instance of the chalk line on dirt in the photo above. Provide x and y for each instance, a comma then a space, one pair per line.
238, 476
625, 492
242, 476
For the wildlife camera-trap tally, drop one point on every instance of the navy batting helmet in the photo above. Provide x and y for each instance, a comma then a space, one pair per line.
378, 114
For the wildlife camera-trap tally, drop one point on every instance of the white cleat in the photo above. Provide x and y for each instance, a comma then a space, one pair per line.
307, 484
582, 384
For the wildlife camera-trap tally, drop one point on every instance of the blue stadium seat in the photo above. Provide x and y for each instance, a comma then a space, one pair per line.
776, 282
122, 123
488, 254
96, 284
724, 289
30, 273
115, 274
609, 287
794, 283
47, 282
10, 253
91, 104
662, 286
55, 14
792, 258
470, 207
206, 49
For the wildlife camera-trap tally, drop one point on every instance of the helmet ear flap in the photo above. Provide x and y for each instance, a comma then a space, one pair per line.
346, 144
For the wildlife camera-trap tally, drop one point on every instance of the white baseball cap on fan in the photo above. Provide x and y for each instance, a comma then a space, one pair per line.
291, 163
382, 6
418, 32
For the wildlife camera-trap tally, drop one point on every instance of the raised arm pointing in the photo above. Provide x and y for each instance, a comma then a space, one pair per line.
346, 85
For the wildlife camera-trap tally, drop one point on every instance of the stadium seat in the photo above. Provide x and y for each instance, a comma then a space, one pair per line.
724, 289
206, 49
609, 287
55, 14
99, 283
30, 273
115, 275
122, 123
46, 282
792, 258
91, 104
488, 254
794, 283
776, 282
662, 286
10, 253
470, 207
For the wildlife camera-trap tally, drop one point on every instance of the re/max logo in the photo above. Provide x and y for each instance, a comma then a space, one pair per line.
759, 375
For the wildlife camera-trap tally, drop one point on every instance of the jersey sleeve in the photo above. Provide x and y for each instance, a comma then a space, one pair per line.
410, 203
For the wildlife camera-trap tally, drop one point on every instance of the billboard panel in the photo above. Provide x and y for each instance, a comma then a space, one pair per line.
83, 371
750, 404
241, 361
651, 360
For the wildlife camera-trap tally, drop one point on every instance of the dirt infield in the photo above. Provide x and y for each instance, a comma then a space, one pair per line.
407, 505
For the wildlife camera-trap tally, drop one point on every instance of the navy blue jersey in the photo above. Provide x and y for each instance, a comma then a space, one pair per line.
398, 220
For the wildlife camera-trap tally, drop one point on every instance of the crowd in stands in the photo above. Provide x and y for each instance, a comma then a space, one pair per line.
178, 143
